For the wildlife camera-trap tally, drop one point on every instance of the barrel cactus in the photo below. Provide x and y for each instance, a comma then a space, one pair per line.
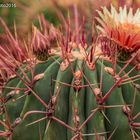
63, 87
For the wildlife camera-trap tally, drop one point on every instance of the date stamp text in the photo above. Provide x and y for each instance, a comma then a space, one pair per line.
7, 5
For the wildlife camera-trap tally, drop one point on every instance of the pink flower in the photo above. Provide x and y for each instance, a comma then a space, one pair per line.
119, 31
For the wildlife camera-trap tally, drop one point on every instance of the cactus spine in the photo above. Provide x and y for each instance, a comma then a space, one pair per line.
74, 92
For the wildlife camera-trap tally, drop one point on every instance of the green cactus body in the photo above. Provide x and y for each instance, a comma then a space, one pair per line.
73, 105
68, 88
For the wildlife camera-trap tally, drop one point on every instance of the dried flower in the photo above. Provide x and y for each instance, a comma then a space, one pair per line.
53, 34
12, 53
40, 44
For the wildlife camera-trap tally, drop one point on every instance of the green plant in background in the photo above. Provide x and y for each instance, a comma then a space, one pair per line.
23, 13
63, 87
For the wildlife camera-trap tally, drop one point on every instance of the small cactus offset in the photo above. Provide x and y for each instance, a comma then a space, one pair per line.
60, 86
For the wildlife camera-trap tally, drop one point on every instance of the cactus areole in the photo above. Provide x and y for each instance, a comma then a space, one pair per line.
71, 92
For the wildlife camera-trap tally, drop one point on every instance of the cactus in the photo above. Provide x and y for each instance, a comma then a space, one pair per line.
63, 87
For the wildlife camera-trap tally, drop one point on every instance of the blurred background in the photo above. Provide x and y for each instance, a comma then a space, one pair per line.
25, 12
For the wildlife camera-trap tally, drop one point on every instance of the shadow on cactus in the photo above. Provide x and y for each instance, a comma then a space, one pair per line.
67, 88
